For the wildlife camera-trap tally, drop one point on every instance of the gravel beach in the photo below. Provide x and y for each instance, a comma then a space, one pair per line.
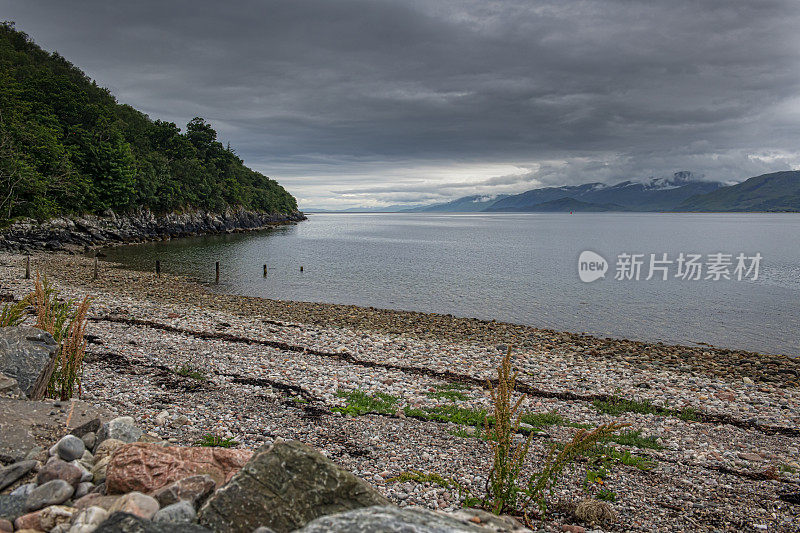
721, 438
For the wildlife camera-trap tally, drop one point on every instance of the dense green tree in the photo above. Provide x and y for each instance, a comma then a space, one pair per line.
68, 147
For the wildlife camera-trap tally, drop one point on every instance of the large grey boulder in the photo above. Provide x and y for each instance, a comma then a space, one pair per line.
391, 519
284, 486
26, 355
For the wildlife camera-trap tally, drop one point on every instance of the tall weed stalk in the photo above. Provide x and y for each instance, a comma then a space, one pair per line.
69, 367
52, 315
508, 458
66, 322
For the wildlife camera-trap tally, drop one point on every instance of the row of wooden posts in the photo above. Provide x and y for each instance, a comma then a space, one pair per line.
216, 268
96, 273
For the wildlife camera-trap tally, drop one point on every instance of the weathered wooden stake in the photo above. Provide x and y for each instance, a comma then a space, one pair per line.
217, 278
96, 273
158, 268
265, 271
28, 267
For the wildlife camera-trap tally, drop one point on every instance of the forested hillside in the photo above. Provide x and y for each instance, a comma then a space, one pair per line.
68, 147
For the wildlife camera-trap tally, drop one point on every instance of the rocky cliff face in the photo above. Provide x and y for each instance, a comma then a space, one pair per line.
79, 233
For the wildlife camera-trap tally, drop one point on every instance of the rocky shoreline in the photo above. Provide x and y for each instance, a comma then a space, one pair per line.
80, 233
718, 427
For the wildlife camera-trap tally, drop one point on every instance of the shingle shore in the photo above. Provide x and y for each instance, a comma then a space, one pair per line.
707, 473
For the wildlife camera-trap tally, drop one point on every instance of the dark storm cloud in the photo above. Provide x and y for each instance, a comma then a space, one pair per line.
359, 102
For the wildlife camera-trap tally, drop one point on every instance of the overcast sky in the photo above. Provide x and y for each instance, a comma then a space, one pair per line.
371, 102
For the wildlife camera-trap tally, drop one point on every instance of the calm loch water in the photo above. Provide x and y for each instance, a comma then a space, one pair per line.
520, 268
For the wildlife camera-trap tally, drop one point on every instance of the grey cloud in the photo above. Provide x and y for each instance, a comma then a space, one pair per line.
356, 97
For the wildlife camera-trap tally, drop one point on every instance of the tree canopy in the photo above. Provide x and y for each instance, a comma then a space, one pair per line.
68, 147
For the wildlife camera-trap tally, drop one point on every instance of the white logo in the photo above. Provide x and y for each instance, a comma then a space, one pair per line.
591, 266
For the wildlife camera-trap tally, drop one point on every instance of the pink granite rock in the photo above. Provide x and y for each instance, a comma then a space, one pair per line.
145, 467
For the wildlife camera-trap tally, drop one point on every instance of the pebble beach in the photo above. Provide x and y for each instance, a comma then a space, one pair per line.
718, 447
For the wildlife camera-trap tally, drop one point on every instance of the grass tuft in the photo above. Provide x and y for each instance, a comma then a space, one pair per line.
13, 313
617, 405
192, 372
606, 495
634, 438
215, 441
360, 403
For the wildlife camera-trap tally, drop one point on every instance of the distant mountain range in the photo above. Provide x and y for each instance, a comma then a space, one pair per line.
779, 191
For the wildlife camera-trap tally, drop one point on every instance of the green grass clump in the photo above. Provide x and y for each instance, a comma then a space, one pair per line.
360, 403
215, 441
617, 405
634, 438
606, 495
610, 455
192, 372
464, 416
13, 313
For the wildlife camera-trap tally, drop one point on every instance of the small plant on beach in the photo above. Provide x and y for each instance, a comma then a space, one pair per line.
634, 438
606, 495
582, 444
68, 368
502, 489
191, 372
52, 315
211, 440
66, 322
360, 403
617, 405
13, 313
464, 416
597, 474
689, 414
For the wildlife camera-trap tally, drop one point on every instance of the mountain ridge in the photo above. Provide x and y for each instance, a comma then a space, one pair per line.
775, 192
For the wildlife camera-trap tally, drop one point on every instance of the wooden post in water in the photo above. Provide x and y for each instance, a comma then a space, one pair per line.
265, 271
216, 280
28, 267
96, 273
158, 268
